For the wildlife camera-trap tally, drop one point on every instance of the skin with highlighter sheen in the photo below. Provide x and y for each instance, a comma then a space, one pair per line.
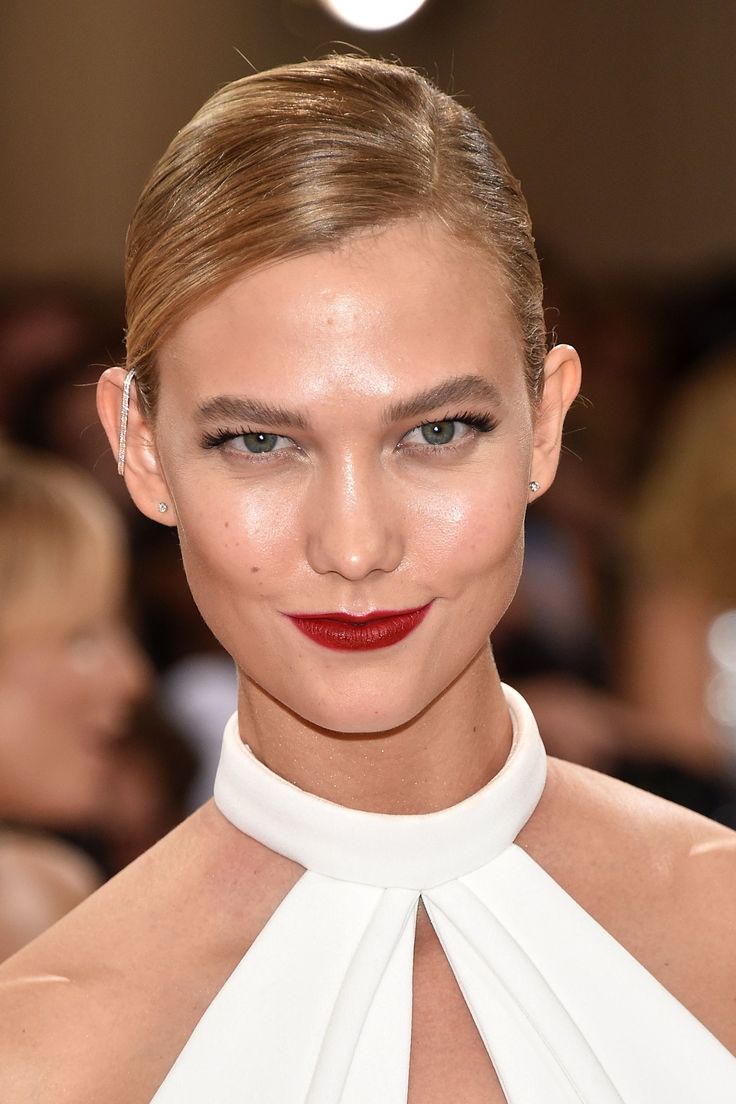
352, 431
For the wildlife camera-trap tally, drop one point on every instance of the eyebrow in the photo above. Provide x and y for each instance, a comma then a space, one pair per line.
240, 409
456, 389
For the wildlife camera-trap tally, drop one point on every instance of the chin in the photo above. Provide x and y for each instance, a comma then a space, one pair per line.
372, 714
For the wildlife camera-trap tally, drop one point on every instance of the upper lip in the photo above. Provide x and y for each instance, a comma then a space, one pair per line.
342, 615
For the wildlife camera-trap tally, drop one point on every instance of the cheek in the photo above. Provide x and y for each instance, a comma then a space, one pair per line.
474, 535
40, 684
71, 697
41, 713
238, 547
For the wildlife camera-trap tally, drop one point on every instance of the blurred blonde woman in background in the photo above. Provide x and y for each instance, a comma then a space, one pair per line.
69, 673
679, 660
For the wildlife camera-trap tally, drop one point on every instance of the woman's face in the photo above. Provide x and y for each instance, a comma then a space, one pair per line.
348, 432
65, 691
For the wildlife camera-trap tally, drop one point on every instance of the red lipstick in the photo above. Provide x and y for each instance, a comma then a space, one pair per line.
348, 632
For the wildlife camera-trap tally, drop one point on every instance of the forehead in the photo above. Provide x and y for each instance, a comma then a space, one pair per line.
384, 312
54, 604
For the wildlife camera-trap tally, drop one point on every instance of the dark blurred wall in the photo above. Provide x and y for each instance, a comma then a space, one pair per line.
618, 116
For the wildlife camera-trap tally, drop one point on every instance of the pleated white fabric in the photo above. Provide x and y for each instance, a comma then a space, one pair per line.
319, 1009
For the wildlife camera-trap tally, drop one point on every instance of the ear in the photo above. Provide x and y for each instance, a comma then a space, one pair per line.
143, 475
561, 375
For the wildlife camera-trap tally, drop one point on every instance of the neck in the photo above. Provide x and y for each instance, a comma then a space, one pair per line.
445, 754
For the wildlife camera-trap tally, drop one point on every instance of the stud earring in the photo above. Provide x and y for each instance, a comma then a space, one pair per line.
122, 439
162, 507
534, 486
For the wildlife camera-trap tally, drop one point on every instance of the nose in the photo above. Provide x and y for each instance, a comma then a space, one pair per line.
128, 670
353, 523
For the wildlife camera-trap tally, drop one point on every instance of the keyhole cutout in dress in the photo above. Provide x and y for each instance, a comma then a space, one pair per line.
448, 1058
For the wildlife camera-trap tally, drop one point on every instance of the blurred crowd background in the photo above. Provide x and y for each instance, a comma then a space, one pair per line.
619, 119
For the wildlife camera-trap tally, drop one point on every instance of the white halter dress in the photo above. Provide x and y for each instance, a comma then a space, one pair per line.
319, 1009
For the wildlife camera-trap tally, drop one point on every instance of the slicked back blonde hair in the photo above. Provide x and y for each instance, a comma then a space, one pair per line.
297, 159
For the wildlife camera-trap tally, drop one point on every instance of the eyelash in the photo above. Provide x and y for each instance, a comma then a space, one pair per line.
480, 423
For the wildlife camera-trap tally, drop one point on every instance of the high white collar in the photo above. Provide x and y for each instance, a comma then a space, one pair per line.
381, 849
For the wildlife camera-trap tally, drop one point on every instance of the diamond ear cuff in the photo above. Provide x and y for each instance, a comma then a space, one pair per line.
122, 439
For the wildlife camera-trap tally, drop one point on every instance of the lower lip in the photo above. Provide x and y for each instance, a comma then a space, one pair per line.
360, 636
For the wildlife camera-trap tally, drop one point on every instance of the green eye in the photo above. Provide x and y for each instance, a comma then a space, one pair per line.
438, 433
259, 442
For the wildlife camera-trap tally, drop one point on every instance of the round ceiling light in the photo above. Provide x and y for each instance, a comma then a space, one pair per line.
373, 15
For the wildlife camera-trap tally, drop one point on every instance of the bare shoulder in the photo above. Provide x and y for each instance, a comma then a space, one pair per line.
99, 1006
660, 878
41, 879
676, 846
